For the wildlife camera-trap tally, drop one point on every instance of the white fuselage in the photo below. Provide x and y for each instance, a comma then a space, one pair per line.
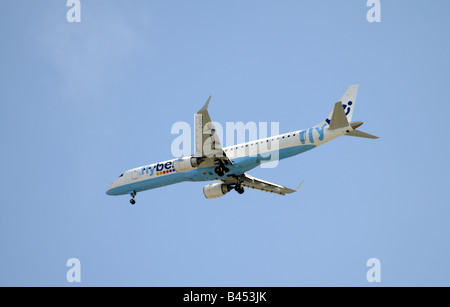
244, 156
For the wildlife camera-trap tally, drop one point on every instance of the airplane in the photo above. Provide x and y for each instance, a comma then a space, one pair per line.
229, 165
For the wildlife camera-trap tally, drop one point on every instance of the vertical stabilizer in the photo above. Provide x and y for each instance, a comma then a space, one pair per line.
348, 103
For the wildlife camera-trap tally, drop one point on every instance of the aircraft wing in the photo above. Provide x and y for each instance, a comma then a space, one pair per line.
207, 143
258, 184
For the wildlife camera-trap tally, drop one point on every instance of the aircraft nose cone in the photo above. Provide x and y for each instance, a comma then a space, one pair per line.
109, 189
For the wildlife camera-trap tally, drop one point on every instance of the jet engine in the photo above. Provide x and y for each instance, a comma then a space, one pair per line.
216, 190
185, 164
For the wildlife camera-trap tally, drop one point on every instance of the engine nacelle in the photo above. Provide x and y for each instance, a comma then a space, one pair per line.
215, 190
185, 164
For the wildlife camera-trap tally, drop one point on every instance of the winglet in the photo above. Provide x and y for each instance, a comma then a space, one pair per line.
299, 186
338, 117
205, 107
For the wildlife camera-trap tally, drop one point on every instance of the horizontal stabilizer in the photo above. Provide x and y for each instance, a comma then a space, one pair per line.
361, 134
338, 117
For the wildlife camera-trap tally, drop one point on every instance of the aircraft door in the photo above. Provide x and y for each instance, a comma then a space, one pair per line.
135, 174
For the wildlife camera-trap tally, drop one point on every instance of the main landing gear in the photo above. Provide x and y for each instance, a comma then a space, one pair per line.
221, 169
132, 201
239, 189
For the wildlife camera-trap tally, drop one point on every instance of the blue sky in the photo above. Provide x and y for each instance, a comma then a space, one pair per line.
82, 102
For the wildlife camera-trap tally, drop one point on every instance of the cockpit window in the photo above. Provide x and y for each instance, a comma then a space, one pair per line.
120, 175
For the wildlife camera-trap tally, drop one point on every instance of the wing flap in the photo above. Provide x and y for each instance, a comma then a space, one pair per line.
259, 184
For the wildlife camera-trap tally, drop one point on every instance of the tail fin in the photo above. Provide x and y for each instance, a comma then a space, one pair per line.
341, 116
348, 103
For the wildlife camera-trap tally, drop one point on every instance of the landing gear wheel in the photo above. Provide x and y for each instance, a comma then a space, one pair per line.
132, 194
239, 189
219, 171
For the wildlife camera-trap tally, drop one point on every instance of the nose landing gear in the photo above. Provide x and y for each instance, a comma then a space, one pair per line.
132, 194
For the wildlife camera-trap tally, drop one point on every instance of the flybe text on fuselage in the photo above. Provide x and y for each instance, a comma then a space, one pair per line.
311, 133
158, 169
